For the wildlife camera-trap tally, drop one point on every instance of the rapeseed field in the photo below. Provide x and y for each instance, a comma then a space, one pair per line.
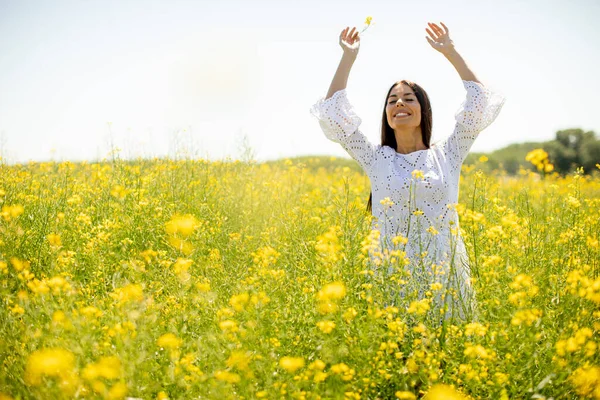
184, 279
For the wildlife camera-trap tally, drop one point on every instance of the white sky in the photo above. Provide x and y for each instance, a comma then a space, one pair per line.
195, 76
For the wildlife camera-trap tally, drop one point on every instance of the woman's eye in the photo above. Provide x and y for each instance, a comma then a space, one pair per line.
391, 102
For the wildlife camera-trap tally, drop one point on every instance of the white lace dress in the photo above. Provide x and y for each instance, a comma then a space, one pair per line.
420, 209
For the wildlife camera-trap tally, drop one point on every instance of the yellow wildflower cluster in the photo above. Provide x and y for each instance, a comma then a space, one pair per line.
350, 314
586, 381
443, 392
326, 326
90, 312
242, 301
524, 289
329, 296
328, 247
291, 364
169, 341
56, 285
475, 328
386, 202
54, 362
11, 212
527, 316
419, 307
265, 257
106, 368
539, 158
186, 365
478, 351
119, 192
226, 376
180, 228
344, 371
54, 240
581, 340
418, 174
404, 395
181, 268
367, 23
128, 294
579, 284
371, 247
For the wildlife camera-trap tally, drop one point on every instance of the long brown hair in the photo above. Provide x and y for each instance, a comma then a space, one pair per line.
387, 133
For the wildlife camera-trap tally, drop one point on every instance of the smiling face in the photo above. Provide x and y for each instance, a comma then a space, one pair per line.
403, 100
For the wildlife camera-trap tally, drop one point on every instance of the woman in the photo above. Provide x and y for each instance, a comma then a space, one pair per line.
414, 184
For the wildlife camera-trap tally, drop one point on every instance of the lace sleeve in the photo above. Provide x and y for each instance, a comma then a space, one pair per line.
477, 112
340, 124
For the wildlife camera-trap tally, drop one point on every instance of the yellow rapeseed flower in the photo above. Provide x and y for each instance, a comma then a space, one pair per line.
586, 381
418, 174
183, 225
404, 395
317, 365
443, 392
54, 240
162, 396
11, 212
228, 326
54, 362
118, 391
386, 202
240, 360
528, 317
181, 244
169, 341
332, 291
106, 367
326, 326
327, 307
367, 24
182, 265
432, 230
129, 293
239, 301
227, 376
475, 328
291, 364
90, 312
19, 265
419, 307
350, 314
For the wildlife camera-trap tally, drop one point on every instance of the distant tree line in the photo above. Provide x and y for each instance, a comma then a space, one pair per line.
572, 148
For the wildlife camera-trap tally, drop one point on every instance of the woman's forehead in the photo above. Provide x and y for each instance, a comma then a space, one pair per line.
401, 89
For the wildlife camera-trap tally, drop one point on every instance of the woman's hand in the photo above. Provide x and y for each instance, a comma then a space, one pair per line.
350, 42
440, 38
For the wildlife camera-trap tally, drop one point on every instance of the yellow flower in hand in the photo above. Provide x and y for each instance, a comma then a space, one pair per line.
367, 23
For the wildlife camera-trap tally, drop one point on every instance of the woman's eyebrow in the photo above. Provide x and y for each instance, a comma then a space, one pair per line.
405, 94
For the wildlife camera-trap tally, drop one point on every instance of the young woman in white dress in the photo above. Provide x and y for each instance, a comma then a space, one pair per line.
414, 183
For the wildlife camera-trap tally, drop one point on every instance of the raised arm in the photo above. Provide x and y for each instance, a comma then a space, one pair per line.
337, 117
440, 40
480, 107
350, 43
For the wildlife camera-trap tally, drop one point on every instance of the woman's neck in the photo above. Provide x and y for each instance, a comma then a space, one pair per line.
409, 141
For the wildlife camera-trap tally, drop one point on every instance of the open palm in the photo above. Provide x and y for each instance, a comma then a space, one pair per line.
439, 38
